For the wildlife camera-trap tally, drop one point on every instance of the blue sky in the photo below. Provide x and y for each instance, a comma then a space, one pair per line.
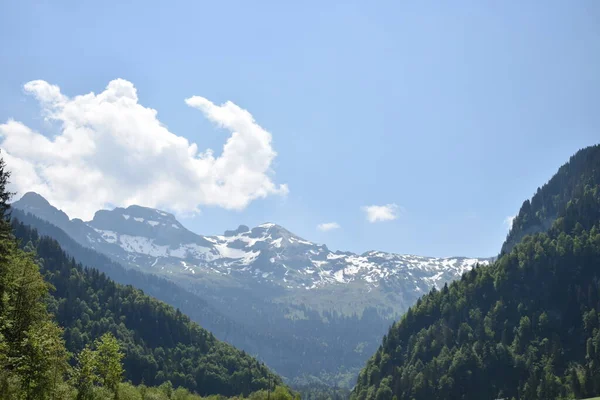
454, 112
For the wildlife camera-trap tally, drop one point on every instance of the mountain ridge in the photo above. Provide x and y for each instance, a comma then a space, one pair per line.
134, 232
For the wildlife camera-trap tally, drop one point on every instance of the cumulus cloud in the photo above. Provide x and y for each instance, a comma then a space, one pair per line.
110, 149
328, 226
388, 212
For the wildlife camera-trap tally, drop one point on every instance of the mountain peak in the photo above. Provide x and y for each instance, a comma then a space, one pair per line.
239, 230
274, 230
149, 212
135, 213
144, 223
34, 198
134, 217
36, 204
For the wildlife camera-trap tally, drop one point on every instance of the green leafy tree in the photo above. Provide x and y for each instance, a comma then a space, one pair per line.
108, 362
33, 358
84, 376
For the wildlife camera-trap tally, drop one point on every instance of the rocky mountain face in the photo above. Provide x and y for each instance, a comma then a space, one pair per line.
266, 276
155, 241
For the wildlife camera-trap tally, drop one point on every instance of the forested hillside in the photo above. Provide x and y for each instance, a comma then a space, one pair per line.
190, 304
526, 327
538, 214
159, 342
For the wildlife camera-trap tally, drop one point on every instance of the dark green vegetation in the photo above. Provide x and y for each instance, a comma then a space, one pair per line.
70, 332
33, 358
160, 342
526, 327
552, 198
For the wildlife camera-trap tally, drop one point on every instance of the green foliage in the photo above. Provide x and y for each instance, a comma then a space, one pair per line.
525, 327
538, 214
33, 358
159, 342
84, 375
318, 391
99, 366
108, 362
166, 391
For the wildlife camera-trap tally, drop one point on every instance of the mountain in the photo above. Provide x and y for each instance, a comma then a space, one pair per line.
308, 310
549, 201
162, 289
526, 326
155, 241
160, 343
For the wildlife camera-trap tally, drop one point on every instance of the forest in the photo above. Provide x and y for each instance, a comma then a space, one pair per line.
526, 327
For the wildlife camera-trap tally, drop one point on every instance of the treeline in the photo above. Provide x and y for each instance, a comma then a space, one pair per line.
526, 327
319, 391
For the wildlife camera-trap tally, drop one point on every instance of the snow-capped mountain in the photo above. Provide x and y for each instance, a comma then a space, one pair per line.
155, 241
303, 308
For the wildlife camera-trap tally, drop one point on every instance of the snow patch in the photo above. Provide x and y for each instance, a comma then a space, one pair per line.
109, 236
143, 245
228, 252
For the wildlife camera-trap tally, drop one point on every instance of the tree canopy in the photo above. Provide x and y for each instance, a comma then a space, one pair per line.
525, 327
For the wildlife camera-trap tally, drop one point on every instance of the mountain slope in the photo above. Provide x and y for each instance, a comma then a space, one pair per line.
160, 342
190, 304
538, 214
302, 308
525, 327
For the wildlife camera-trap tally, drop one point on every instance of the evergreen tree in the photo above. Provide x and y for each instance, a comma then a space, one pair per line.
525, 327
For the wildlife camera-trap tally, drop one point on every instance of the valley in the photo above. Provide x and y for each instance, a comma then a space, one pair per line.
525, 323
315, 314
271, 200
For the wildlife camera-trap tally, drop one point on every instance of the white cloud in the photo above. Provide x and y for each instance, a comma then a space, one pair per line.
110, 149
508, 221
328, 226
388, 212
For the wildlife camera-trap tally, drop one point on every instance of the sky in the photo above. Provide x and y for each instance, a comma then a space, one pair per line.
408, 127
